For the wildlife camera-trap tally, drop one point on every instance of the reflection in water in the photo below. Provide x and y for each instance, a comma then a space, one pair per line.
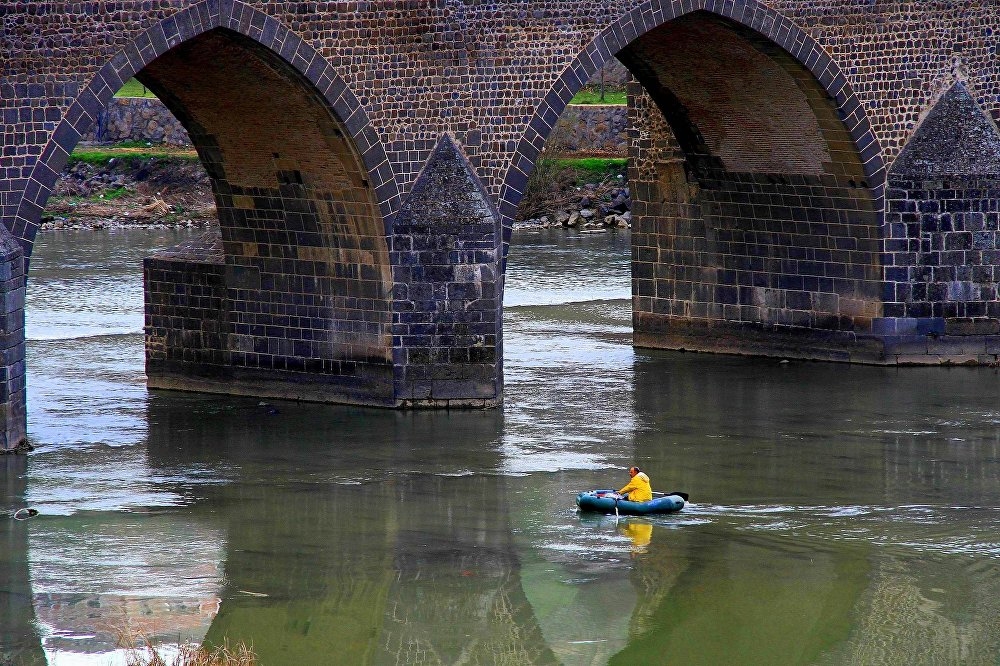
19, 642
742, 601
839, 515
381, 536
639, 531
94, 573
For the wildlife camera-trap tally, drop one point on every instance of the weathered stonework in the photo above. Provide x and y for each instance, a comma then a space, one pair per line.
137, 119
584, 130
768, 222
13, 414
735, 249
447, 288
306, 272
588, 130
942, 225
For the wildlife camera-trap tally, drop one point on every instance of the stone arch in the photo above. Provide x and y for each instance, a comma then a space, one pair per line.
196, 20
652, 14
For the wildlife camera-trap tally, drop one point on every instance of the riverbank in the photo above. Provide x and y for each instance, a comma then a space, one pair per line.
130, 186
136, 185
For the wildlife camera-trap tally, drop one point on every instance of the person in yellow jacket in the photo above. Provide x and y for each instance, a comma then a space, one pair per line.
638, 488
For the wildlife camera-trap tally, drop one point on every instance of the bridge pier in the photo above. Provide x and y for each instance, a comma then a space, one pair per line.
942, 262
766, 234
208, 329
447, 288
13, 398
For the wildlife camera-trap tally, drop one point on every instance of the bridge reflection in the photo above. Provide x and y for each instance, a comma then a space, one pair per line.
363, 541
18, 637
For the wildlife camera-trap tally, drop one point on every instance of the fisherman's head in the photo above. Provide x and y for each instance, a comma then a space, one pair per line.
632, 471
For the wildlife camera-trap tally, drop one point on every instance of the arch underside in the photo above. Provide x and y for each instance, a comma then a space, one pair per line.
297, 281
752, 215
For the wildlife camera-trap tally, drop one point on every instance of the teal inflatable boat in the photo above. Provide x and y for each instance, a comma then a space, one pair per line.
609, 501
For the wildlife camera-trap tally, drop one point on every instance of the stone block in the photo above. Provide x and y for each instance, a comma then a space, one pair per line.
956, 346
960, 326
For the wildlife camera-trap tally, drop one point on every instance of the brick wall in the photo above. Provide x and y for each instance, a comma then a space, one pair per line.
305, 271
447, 291
753, 228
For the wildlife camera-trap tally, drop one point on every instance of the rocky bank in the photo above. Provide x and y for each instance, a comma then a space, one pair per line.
131, 191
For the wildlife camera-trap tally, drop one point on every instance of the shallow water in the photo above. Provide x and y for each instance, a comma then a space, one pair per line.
839, 514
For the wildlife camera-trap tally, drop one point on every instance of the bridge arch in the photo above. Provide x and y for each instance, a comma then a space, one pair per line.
756, 178
291, 298
238, 18
653, 14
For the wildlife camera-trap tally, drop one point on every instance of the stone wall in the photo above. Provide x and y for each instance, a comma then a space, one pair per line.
317, 122
504, 71
587, 130
583, 129
446, 252
942, 238
137, 119
306, 267
186, 311
752, 233
13, 405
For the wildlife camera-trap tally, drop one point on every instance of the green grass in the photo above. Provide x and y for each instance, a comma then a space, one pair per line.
133, 88
109, 194
587, 96
114, 193
594, 167
100, 155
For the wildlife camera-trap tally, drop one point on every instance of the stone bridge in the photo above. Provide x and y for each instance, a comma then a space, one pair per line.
812, 178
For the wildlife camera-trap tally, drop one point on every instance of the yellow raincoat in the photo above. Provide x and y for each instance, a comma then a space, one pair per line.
638, 489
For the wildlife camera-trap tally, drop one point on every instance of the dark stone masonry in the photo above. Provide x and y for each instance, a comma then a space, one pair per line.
589, 130
137, 119
813, 179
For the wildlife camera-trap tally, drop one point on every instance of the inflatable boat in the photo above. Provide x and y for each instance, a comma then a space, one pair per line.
609, 501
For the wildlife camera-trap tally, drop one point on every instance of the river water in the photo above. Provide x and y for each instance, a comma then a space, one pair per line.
839, 515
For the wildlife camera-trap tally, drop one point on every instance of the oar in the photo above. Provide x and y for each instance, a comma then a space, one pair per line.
683, 496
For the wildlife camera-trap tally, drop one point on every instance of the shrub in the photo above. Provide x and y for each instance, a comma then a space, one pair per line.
140, 651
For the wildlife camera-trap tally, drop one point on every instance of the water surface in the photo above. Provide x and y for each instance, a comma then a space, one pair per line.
839, 514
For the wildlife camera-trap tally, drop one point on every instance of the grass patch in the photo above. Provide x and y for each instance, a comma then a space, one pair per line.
141, 651
587, 96
113, 193
133, 88
554, 184
99, 155
589, 168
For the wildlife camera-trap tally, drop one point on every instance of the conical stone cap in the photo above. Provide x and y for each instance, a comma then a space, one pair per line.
955, 139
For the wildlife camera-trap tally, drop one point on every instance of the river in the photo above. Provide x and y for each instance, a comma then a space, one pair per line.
839, 515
